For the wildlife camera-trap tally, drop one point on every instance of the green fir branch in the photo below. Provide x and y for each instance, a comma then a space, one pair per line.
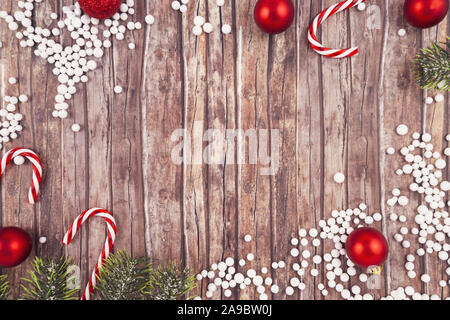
48, 281
122, 277
4, 287
169, 283
432, 67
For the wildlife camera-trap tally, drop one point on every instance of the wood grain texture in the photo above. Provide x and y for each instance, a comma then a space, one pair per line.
331, 115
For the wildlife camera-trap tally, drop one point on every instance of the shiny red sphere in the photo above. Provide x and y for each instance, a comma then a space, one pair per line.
367, 247
274, 16
100, 9
425, 13
15, 246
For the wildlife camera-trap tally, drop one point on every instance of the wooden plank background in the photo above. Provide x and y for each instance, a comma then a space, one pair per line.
333, 115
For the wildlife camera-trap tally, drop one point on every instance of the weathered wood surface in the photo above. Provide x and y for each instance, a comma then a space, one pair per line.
333, 115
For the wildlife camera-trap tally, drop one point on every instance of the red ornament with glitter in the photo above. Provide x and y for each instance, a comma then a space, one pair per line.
100, 9
425, 13
367, 247
274, 16
15, 246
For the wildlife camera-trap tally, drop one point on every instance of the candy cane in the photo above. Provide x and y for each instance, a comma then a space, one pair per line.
37, 169
324, 15
111, 235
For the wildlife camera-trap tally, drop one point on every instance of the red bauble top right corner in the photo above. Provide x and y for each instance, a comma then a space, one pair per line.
425, 13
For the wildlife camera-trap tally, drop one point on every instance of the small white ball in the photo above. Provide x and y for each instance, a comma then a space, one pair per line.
226, 29
118, 89
402, 130
42, 240
76, 127
390, 151
197, 30
19, 160
401, 32
339, 178
439, 98
208, 27
199, 21
361, 6
176, 5
149, 19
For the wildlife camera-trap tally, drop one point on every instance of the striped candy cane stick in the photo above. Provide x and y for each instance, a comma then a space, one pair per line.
324, 15
37, 169
111, 235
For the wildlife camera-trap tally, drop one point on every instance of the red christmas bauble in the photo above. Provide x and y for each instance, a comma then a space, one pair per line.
366, 247
15, 246
100, 9
274, 16
425, 13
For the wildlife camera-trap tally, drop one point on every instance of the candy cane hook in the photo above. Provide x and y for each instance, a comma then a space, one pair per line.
324, 15
37, 169
110, 237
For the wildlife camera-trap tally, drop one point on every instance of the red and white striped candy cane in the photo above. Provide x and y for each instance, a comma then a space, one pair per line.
324, 15
110, 237
37, 169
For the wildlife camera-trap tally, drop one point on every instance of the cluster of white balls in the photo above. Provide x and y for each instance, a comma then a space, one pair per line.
408, 293
71, 63
225, 275
180, 5
437, 98
201, 26
339, 269
432, 219
10, 118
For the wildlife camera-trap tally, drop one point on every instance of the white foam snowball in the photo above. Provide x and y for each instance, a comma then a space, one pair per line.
176, 5
149, 19
339, 177
402, 130
208, 27
76, 127
19, 160
439, 98
199, 21
197, 30
440, 163
226, 29
361, 6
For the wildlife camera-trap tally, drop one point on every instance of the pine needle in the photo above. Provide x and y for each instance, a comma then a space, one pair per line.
48, 281
4, 287
122, 277
169, 283
432, 67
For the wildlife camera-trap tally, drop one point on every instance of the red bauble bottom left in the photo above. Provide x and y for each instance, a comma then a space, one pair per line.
15, 246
